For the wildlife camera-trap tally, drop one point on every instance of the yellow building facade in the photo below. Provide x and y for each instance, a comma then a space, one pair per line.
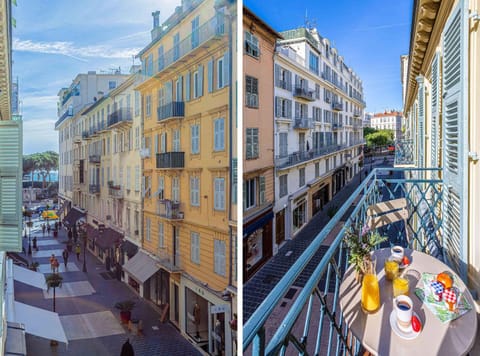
188, 217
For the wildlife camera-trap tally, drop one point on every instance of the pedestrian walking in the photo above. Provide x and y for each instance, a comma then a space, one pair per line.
70, 234
43, 228
35, 243
52, 259
48, 229
56, 264
127, 349
65, 257
77, 251
56, 225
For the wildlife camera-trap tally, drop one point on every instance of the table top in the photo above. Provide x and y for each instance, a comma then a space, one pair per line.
374, 331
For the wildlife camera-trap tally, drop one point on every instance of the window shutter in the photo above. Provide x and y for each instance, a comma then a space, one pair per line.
226, 69
210, 75
255, 142
200, 80
180, 81
277, 75
297, 110
168, 92
10, 185
297, 81
436, 105
454, 130
187, 87
289, 109
289, 80
278, 108
156, 143
261, 180
421, 123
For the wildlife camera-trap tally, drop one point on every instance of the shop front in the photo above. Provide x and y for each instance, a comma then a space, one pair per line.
339, 179
299, 213
138, 270
257, 243
320, 197
206, 319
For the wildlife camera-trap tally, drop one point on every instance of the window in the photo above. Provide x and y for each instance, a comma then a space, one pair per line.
148, 105
252, 143
161, 235
161, 59
137, 178
283, 143
195, 247
251, 45
219, 249
283, 185
161, 187
219, 134
251, 94
219, 194
195, 138
317, 170
317, 91
195, 33
147, 228
137, 138
112, 84
137, 103
283, 107
249, 194
313, 63
176, 46
128, 182
195, 191
220, 73
261, 190
175, 189
301, 177
176, 141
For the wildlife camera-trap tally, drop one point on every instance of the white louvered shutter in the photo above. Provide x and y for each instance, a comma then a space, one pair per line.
421, 123
454, 130
10, 186
436, 110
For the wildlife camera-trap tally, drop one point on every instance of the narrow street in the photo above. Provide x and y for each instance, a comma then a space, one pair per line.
85, 304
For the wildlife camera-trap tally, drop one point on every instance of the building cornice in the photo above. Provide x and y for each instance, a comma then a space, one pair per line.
428, 21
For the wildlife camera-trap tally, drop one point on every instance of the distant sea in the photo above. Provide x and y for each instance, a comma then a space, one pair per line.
37, 177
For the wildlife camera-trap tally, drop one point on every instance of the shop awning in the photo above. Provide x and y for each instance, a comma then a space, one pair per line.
24, 275
255, 225
15, 343
72, 217
35, 320
129, 248
109, 238
141, 266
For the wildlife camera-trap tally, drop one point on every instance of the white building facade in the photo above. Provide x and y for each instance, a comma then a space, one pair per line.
318, 135
388, 120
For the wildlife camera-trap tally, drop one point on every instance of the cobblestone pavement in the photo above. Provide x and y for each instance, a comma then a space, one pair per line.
157, 338
259, 286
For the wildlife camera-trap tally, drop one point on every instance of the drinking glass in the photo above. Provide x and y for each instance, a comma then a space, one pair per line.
400, 286
391, 268
370, 293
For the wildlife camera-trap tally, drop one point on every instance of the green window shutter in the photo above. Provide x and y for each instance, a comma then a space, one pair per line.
10, 185
289, 80
454, 131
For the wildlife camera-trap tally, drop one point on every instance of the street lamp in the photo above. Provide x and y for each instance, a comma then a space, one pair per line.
29, 224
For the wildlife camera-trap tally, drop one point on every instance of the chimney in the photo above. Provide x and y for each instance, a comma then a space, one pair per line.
156, 30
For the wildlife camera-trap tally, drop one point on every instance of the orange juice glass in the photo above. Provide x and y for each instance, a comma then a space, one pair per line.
370, 293
400, 286
391, 269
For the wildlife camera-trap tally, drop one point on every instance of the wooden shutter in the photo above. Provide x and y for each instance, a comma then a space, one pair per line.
277, 75
289, 80
278, 108
187, 87
226, 69
10, 185
454, 130
200, 80
421, 123
289, 109
210, 75
436, 99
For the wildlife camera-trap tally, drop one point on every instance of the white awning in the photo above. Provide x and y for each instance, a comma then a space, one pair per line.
141, 266
39, 322
29, 277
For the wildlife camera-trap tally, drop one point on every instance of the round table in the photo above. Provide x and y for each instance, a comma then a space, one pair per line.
374, 331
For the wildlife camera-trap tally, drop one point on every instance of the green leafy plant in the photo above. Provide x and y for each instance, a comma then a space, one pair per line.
53, 280
360, 243
126, 305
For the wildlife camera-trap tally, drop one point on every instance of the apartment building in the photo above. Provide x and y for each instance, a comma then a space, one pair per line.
258, 164
189, 207
441, 109
85, 89
388, 120
318, 139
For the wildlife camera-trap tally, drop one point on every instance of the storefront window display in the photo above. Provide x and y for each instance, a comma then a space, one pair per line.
254, 248
299, 217
197, 316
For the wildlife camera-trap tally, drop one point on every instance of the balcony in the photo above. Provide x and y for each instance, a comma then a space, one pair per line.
94, 159
170, 160
77, 138
121, 118
212, 30
303, 123
168, 259
144, 153
169, 209
282, 162
86, 135
336, 126
313, 322
94, 188
337, 106
357, 113
115, 191
303, 93
175, 109
62, 118
404, 153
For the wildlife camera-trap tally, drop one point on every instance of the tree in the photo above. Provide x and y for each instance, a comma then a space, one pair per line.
43, 163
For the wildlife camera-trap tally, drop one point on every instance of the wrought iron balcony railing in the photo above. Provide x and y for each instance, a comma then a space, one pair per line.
94, 159
292, 159
120, 117
314, 323
169, 209
303, 123
404, 153
337, 106
94, 188
303, 93
171, 110
171, 160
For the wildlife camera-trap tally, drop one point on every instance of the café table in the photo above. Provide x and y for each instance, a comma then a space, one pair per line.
456, 337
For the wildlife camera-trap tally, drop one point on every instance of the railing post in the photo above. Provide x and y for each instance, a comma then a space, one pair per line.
258, 347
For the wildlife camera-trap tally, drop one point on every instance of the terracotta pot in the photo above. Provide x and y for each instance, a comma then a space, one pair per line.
125, 316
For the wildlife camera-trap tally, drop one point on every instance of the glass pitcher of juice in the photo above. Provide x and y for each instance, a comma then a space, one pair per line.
370, 293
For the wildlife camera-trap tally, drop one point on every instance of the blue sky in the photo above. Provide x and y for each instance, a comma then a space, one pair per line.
370, 34
55, 40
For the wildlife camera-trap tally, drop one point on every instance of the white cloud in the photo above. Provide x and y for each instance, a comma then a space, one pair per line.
40, 101
70, 50
33, 130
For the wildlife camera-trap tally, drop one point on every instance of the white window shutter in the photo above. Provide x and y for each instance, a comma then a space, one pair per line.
454, 131
10, 185
436, 101
421, 122
200, 80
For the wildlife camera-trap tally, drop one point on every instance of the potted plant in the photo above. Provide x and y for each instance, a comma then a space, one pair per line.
125, 308
34, 266
54, 281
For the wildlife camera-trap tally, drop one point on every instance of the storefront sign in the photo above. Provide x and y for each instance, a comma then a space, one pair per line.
221, 308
